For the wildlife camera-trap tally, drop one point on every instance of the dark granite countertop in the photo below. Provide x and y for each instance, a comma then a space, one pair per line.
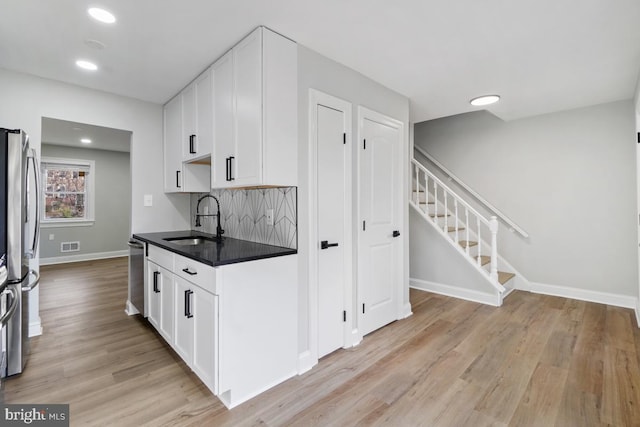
230, 251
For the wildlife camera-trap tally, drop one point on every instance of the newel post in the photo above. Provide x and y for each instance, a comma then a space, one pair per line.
493, 227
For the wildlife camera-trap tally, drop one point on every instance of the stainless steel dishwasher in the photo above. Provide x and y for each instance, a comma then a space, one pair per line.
135, 302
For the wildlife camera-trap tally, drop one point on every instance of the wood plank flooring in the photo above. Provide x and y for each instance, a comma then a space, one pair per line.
535, 361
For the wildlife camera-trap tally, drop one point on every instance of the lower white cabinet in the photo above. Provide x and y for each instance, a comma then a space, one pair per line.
196, 315
160, 292
235, 325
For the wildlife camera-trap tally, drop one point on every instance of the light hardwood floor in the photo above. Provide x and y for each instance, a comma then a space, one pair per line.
536, 361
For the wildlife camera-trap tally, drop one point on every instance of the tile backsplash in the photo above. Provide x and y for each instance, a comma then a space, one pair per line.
244, 214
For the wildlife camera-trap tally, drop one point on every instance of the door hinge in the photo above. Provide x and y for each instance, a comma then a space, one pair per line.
362, 308
364, 225
364, 145
344, 138
344, 316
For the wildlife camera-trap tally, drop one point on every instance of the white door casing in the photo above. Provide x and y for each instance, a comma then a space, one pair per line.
330, 269
380, 239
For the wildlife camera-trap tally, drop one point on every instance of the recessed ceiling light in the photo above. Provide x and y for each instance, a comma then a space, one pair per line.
85, 141
86, 65
484, 100
102, 15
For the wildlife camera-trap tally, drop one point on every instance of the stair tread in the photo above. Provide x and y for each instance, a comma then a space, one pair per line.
464, 243
484, 259
453, 228
440, 215
427, 203
504, 277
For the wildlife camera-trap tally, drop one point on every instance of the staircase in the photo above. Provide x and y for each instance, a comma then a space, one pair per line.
473, 235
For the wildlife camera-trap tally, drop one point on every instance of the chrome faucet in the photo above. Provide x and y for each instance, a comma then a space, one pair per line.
219, 230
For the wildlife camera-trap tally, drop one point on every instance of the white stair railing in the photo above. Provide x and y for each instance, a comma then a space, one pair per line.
427, 189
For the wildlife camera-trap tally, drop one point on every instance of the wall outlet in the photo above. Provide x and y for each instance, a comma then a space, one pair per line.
269, 216
148, 199
52, 236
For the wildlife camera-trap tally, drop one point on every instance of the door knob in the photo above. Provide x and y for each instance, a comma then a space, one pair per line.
325, 244
396, 233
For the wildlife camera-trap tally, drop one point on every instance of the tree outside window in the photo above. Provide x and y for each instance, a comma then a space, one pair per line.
67, 191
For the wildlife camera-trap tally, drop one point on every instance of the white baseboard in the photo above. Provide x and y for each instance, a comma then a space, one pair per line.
130, 309
83, 257
35, 328
456, 292
305, 362
638, 313
617, 300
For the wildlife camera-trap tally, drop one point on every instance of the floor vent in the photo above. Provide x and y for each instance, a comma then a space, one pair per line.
69, 246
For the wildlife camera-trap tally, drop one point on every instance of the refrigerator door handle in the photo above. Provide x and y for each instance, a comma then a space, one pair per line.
12, 305
32, 284
36, 175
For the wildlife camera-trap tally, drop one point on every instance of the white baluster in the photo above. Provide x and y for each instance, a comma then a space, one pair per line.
466, 227
479, 240
425, 207
446, 209
455, 217
435, 199
493, 227
417, 184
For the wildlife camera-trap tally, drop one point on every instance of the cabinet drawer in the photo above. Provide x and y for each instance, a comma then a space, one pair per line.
195, 272
161, 257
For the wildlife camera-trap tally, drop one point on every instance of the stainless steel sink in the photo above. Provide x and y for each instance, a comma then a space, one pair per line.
189, 241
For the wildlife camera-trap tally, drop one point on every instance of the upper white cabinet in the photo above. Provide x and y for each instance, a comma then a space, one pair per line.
178, 175
255, 113
197, 118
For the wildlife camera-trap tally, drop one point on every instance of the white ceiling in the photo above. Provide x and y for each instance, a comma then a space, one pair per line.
539, 55
63, 132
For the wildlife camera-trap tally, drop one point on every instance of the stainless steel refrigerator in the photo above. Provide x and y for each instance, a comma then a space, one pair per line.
19, 229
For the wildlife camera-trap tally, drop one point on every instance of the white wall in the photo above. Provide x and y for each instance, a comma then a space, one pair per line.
320, 73
567, 178
26, 99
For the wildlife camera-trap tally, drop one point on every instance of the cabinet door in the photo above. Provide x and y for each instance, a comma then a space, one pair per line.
183, 315
204, 114
223, 118
166, 305
172, 145
246, 167
154, 280
188, 122
205, 333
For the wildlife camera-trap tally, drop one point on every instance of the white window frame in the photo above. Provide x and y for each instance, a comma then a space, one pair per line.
89, 194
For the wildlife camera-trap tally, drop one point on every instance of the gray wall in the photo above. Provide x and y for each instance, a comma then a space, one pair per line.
110, 231
567, 178
318, 72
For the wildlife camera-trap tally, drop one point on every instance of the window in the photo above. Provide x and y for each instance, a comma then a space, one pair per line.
68, 191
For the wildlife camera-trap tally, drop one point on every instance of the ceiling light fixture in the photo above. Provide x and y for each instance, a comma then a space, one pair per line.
484, 100
86, 65
102, 15
85, 141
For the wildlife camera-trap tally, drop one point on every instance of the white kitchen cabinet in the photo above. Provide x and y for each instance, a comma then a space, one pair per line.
183, 340
255, 113
180, 175
197, 118
234, 325
160, 298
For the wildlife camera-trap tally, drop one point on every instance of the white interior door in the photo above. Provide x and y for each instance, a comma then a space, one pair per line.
380, 209
331, 121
